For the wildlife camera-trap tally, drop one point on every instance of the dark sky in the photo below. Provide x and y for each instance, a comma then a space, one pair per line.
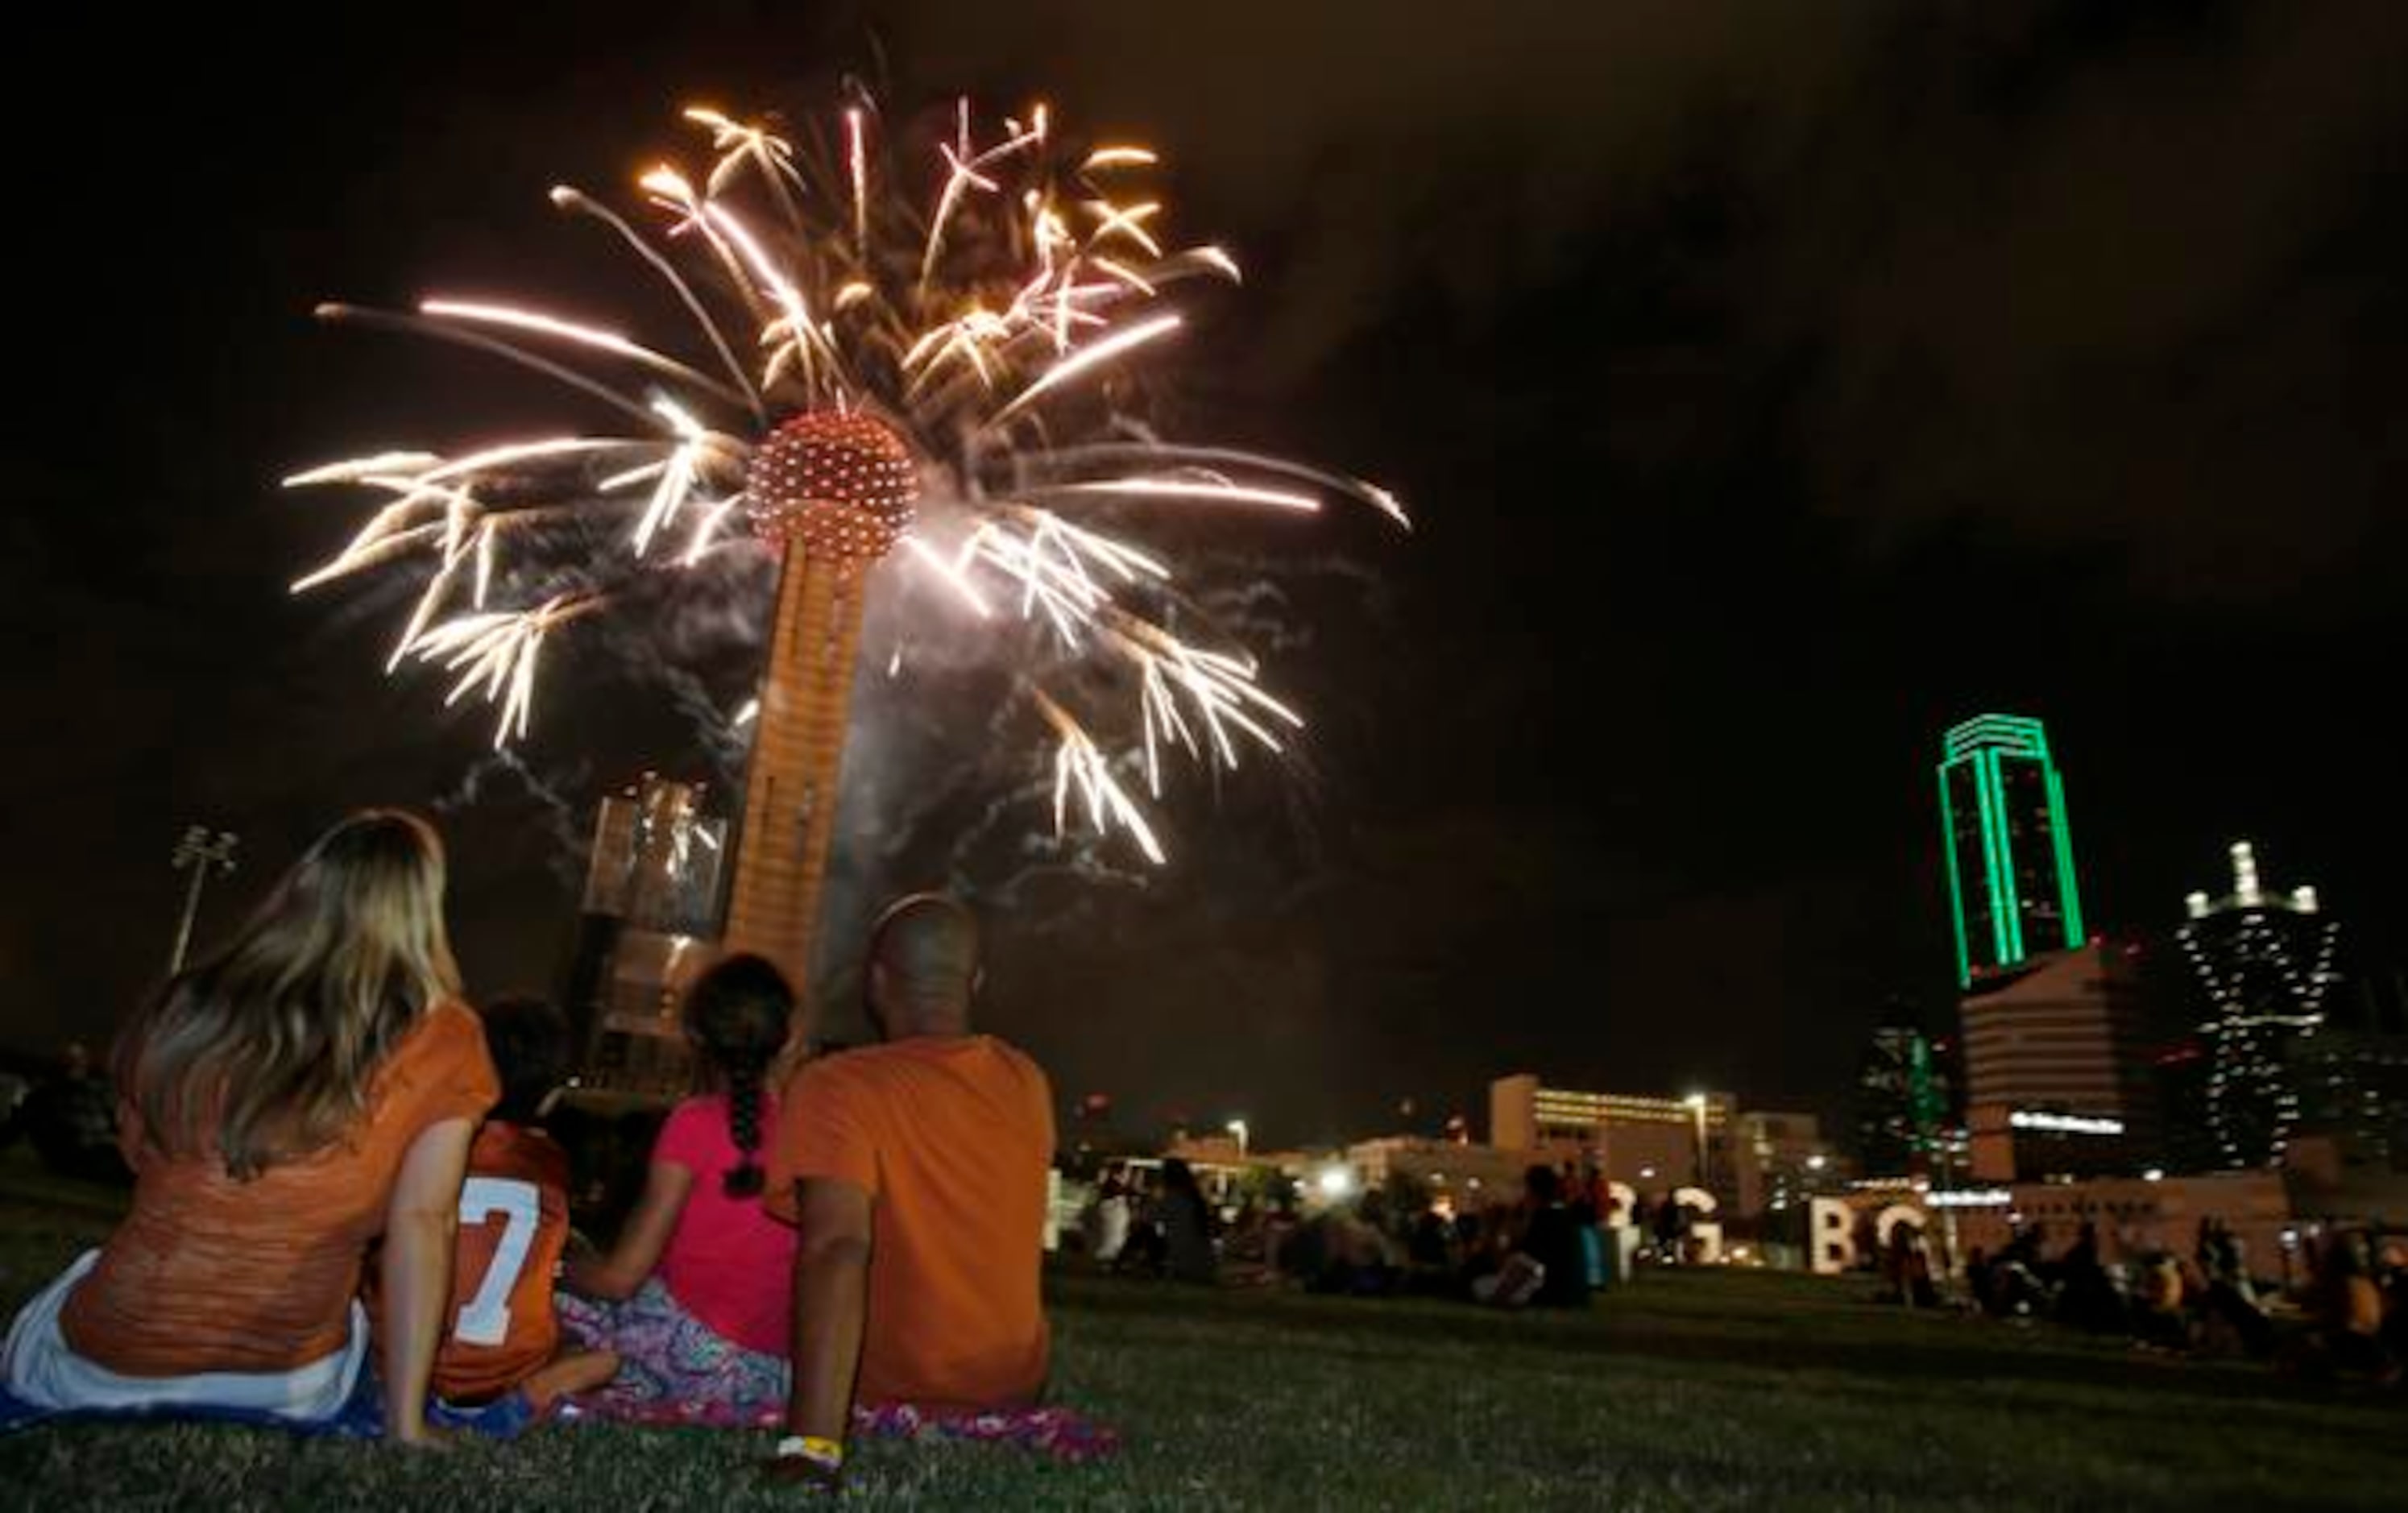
1773, 385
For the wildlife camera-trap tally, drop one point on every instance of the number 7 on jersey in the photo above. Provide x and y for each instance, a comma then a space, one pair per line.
486, 1318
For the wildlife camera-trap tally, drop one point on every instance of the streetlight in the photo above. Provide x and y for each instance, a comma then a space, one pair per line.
1238, 1128
1697, 1102
197, 852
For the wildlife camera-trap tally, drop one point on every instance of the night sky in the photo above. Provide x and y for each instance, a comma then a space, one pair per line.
1773, 385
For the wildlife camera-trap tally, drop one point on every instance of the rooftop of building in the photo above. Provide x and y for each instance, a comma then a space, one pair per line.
2015, 735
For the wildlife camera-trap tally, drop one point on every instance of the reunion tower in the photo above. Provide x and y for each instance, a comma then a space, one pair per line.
830, 492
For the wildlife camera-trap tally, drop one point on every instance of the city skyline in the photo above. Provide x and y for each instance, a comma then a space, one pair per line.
1750, 449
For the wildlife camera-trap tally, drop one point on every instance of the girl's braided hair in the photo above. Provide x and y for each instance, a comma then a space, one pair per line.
738, 1014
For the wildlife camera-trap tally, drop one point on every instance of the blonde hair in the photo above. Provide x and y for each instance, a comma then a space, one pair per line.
268, 1050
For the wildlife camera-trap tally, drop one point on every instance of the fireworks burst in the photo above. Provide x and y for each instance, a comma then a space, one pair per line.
914, 342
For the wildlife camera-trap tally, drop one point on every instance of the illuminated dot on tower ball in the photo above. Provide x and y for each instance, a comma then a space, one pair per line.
842, 485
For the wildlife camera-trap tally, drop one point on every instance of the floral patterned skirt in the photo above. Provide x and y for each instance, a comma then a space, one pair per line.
672, 1366
675, 1369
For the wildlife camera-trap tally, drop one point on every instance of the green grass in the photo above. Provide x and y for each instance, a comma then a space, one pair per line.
1720, 1390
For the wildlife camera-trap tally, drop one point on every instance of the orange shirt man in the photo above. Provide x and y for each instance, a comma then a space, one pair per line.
916, 1172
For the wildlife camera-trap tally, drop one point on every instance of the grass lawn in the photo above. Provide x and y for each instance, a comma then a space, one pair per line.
1716, 1391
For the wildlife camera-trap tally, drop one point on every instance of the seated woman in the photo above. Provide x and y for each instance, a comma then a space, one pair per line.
315, 1084
698, 1295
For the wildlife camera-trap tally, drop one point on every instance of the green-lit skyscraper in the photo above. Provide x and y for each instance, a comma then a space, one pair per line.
2011, 886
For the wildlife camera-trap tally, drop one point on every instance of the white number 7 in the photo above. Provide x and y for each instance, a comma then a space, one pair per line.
486, 1320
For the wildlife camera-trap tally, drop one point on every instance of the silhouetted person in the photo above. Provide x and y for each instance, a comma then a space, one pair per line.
1428, 1246
2159, 1297
1671, 1225
2349, 1309
2086, 1296
1187, 1225
1552, 1237
1977, 1277
2015, 1286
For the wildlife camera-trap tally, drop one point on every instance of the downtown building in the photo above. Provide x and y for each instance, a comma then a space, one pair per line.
1751, 1161
2352, 1076
2264, 964
2012, 891
1652, 1143
2053, 1038
2055, 1068
1910, 1118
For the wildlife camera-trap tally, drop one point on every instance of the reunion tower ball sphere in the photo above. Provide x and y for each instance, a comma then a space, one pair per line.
842, 485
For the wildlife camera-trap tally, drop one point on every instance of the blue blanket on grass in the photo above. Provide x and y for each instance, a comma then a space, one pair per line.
361, 1417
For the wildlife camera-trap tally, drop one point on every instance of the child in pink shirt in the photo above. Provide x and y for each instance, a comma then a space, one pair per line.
697, 1295
729, 1262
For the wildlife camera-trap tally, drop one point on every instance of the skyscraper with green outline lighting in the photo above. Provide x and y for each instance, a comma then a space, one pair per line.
2011, 886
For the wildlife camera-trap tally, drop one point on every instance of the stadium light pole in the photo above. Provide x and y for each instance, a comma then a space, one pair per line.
199, 851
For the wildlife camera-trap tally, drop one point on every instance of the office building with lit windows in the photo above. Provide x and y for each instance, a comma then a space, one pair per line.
1749, 1161
2010, 858
2055, 1067
1630, 1137
2352, 1094
1910, 1090
1778, 1159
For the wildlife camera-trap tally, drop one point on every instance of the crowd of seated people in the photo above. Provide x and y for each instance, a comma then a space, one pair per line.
1544, 1250
2343, 1312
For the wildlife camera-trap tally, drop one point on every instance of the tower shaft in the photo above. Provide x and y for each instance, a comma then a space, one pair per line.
798, 755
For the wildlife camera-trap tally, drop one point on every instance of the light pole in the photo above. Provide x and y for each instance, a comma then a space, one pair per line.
200, 849
1238, 1128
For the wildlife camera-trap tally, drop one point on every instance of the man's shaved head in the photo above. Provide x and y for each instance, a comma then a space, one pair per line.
924, 966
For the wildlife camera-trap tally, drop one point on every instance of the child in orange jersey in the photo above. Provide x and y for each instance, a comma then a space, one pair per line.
501, 1334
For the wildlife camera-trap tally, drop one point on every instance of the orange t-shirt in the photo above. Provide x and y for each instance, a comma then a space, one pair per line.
211, 1274
950, 1137
513, 1226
